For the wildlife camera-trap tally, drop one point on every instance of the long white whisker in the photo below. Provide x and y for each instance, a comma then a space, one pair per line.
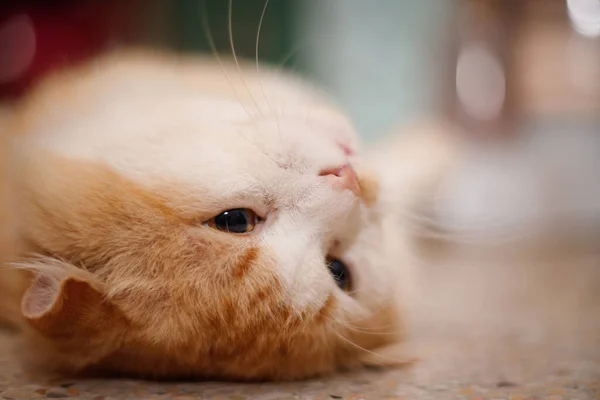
293, 52
369, 331
284, 61
257, 52
235, 58
211, 43
345, 339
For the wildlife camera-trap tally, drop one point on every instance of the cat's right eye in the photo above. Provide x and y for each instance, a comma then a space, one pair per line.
238, 220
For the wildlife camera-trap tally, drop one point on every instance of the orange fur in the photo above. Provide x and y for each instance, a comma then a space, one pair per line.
130, 281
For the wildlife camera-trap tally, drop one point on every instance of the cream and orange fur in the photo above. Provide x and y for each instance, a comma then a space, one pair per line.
112, 169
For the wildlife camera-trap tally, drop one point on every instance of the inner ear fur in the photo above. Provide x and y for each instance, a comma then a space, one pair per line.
67, 309
70, 306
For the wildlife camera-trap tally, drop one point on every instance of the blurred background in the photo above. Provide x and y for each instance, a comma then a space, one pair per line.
486, 62
518, 80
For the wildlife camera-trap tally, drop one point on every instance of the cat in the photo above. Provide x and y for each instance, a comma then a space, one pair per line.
179, 217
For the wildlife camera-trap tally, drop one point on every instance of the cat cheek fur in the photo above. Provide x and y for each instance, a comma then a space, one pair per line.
198, 313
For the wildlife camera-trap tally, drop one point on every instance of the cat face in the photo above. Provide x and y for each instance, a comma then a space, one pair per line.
188, 229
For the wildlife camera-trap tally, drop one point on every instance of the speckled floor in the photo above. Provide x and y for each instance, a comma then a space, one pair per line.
514, 329
580, 381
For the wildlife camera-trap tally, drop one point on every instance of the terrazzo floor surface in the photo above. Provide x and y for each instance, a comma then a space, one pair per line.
578, 381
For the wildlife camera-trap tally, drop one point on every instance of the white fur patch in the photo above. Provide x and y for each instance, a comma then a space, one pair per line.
217, 144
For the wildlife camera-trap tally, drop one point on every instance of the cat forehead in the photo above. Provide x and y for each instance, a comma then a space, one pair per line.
197, 124
183, 137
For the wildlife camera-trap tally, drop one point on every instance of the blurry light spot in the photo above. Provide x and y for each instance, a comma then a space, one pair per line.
17, 46
583, 65
585, 16
480, 82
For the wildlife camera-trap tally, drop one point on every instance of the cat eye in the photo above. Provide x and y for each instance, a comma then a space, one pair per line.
339, 272
238, 220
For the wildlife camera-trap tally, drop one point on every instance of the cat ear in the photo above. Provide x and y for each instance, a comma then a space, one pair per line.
391, 356
74, 316
58, 307
69, 307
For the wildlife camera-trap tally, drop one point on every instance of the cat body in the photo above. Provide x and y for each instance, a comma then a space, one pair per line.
115, 174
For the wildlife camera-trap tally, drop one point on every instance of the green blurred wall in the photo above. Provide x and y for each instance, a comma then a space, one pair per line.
374, 56
276, 32
379, 58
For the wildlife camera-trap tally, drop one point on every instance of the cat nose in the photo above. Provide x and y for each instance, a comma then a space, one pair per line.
342, 178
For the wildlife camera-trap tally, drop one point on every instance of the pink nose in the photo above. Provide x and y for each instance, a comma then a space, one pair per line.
342, 178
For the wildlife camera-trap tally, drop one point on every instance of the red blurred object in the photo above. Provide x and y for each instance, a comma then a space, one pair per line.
39, 36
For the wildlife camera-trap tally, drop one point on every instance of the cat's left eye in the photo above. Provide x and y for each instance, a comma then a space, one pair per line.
339, 272
238, 220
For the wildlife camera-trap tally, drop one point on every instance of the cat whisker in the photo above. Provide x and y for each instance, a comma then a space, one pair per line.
424, 226
373, 353
373, 312
496, 229
257, 53
211, 43
235, 58
369, 331
283, 62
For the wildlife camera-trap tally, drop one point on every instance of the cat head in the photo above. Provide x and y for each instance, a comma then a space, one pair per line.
192, 226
